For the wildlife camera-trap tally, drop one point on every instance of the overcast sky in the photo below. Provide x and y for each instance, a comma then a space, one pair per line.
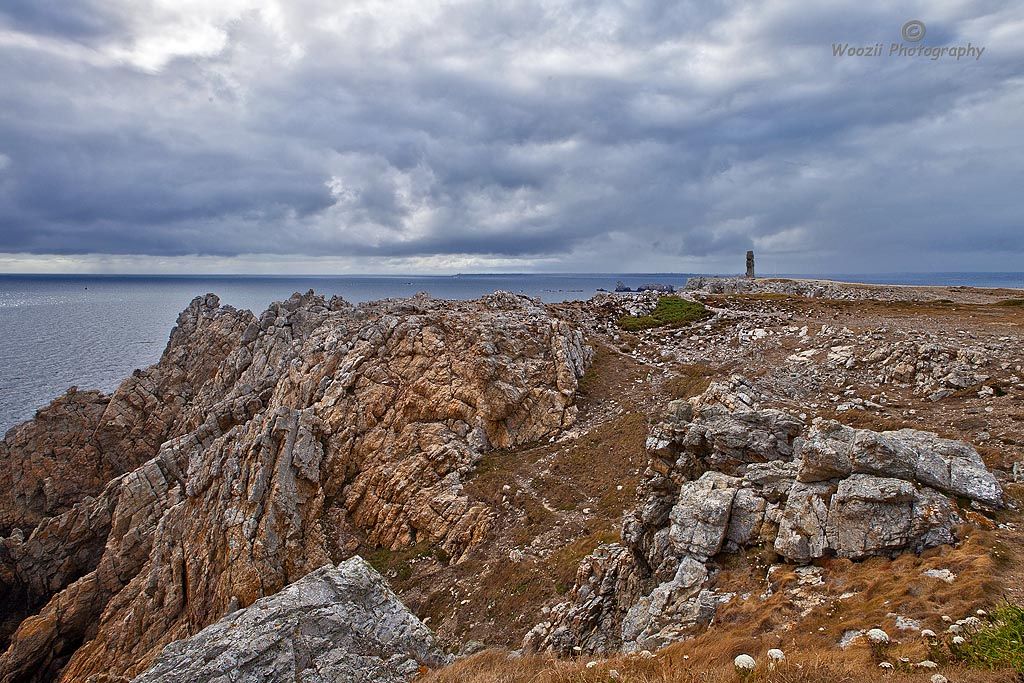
327, 136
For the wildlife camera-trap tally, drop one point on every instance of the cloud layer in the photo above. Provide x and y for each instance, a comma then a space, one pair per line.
375, 135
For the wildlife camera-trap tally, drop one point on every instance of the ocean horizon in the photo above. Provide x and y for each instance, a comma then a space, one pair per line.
93, 330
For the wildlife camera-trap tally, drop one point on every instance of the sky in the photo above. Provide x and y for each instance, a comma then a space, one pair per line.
318, 136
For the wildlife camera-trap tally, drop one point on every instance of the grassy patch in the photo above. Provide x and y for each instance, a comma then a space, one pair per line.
396, 565
1000, 644
671, 311
691, 379
1010, 302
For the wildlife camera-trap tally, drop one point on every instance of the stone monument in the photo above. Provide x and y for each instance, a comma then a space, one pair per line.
750, 264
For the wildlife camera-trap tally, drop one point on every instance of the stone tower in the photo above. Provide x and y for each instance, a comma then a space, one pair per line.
750, 264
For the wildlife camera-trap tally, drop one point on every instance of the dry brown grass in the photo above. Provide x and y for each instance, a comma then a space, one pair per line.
881, 587
673, 665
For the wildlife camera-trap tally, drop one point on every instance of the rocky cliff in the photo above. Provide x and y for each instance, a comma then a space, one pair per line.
255, 452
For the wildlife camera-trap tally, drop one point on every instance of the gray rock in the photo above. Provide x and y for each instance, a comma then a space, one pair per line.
866, 515
833, 451
773, 479
825, 453
700, 516
726, 439
802, 531
589, 621
746, 517
669, 610
870, 516
336, 624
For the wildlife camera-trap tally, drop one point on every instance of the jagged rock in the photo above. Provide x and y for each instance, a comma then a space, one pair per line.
84, 439
878, 516
136, 503
335, 624
746, 518
802, 531
670, 610
819, 289
727, 439
297, 436
590, 619
773, 480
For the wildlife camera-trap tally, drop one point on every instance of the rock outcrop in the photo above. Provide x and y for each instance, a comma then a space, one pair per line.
725, 474
84, 439
335, 624
298, 437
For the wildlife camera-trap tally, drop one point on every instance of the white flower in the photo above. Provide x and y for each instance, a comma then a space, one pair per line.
885, 665
927, 633
955, 628
927, 664
591, 665
877, 635
776, 654
744, 662
973, 622
958, 640
939, 678
982, 613
613, 673
946, 618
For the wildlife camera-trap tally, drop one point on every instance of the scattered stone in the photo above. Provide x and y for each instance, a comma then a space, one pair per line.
941, 574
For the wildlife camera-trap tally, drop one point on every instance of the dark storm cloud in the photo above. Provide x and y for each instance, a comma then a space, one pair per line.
583, 135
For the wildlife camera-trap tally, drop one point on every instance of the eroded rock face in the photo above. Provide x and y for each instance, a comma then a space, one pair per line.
335, 624
725, 474
56, 470
323, 426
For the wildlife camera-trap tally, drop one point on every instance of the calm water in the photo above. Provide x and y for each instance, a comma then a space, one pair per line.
92, 331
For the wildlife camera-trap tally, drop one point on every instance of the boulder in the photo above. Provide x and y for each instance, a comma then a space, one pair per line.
338, 623
832, 451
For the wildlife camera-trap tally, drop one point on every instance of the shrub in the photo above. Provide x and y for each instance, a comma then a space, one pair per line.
1001, 643
671, 311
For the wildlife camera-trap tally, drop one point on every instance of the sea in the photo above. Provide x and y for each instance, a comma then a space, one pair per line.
92, 331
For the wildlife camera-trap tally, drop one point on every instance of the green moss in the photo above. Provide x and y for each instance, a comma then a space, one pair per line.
671, 311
